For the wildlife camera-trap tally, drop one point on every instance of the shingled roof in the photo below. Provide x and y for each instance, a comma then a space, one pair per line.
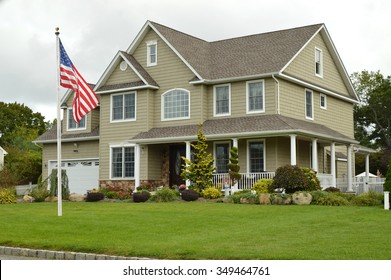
243, 126
50, 136
239, 57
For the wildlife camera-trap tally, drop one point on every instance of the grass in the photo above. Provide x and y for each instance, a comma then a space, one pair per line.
201, 230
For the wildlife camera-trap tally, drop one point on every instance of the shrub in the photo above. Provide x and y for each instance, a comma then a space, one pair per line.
211, 193
291, 178
240, 197
141, 196
7, 195
370, 198
262, 186
116, 192
94, 196
189, 195
332, 189
39, 194
165, 195
328, 198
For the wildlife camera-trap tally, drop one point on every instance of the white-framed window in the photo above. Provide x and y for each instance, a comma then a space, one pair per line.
151, 53
255, 96
222, 100
122, 162
72, 125
318, 62
175, 104
309, 108
221, 156
323, 101
123, 107
256, 156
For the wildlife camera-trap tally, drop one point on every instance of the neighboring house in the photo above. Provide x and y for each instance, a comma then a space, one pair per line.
281, 97
2, 154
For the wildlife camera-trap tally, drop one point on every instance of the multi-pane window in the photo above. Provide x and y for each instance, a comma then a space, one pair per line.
318, 62
122, 162
222, 100
222, 157
151, 53
123, 107
176, 104
72, 125
256, 156
309, 109
255, 97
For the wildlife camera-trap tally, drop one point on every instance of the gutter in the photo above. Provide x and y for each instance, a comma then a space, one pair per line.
67, 140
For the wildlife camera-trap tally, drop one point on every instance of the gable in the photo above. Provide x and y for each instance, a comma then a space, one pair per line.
122, 74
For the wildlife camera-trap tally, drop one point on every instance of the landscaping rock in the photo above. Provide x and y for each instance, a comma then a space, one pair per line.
228, 200
245, 200
75, 197
264, 198
281, 200
301, 198
28, 198
51, 199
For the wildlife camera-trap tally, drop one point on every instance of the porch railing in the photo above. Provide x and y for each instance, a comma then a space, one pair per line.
245, 183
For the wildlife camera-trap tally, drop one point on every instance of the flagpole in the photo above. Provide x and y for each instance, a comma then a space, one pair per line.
59, 170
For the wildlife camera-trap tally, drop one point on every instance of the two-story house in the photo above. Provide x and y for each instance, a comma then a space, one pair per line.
281, 97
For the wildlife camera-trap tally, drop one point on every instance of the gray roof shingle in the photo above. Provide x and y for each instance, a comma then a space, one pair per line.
51, 135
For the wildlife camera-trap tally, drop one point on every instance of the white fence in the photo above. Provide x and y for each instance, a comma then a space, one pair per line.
246, 182
360, 184
24, 189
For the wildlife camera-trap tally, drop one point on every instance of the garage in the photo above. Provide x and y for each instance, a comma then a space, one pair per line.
83, 175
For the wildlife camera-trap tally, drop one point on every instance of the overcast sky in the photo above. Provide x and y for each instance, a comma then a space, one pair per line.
92, 32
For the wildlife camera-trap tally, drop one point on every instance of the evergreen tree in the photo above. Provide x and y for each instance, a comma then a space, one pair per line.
234, 166
200, 170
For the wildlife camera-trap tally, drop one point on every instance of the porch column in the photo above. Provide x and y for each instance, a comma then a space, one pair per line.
235, 142
333, 169
188, 156
137, 162
349, 154
315, 154
293, 149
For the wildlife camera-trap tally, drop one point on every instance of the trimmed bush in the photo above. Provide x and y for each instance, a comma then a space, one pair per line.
244, 197
7, 195
39, 194
141, 196
332, 189
189, 195
370, 198
328, 198
94, 196
292, 179
262, 186
211, 193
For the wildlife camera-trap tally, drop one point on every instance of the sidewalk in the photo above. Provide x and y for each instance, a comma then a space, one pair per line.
59, 255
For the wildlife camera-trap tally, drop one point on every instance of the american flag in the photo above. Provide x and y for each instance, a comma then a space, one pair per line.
85, 99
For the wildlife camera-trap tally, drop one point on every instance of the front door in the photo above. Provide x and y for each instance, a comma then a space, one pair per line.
176, 162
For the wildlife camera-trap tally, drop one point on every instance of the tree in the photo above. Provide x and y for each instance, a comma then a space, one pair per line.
200, 170
233, 166
372, 117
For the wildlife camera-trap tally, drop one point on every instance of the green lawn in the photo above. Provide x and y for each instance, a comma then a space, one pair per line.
201, 230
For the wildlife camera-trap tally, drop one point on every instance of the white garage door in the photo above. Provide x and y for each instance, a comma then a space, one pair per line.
82, 175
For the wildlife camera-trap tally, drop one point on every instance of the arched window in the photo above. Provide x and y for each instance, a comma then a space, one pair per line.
176, 104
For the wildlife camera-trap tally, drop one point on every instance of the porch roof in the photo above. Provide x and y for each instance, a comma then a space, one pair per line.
241, 127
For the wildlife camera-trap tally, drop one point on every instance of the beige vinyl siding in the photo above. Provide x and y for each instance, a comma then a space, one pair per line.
118, 76
303, 67
337, 116
86, 150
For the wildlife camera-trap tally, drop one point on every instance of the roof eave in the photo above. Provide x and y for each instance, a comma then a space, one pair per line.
76, 139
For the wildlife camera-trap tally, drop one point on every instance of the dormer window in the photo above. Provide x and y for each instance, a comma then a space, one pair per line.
318, 62
151, 53
72, 125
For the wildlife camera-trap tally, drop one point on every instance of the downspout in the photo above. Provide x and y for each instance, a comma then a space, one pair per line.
278, 95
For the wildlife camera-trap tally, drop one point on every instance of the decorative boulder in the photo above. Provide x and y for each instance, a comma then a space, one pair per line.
75, 197
301, 198
247, 200
279, 199
264, 198
51, 199
28, 198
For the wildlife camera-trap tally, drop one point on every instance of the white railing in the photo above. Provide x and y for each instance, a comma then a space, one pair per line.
360, 184
326, 180
246, 182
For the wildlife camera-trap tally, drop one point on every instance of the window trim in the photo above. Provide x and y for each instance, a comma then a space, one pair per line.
248, 111
320, 75
249, 141
215, 114
123, 118
312, 104
162, 108
149, 44
215, 153
123, 146
77, 125
324, 107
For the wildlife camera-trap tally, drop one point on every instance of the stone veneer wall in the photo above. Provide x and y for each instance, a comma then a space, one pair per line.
117, 183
